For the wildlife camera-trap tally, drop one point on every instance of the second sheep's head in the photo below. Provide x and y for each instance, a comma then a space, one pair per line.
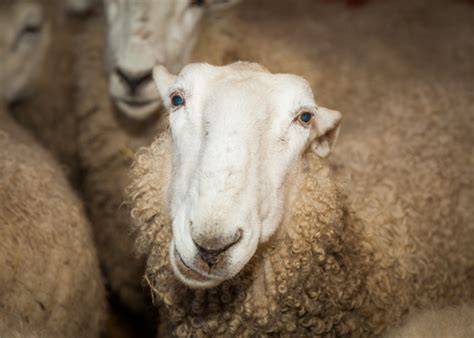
24, 42
142, 34
238, 134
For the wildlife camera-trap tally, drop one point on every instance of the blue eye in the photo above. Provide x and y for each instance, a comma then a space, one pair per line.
177, 100
305, 117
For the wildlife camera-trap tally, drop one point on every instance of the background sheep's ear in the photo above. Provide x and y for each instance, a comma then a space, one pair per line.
220, 4
327, 125
80, 6
163, 81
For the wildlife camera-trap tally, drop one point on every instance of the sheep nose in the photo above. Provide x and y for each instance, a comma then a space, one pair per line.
134, 80
210, 250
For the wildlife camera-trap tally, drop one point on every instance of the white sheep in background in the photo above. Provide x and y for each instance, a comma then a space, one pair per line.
111, 128
235, 203
51, 284
142, 34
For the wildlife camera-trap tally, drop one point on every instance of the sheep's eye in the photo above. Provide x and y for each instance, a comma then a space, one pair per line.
305, 118
28, 34
31, 29
197, 2
177, 100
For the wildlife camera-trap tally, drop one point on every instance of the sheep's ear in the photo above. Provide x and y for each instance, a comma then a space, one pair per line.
327, 124
220, 4
163, 81
80, 7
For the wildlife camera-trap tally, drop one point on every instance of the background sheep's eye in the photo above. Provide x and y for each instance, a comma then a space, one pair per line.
177, 100
197, 2
28, 34
305, 117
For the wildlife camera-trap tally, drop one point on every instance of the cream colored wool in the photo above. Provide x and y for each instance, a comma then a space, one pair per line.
324, 273
50, 275
106, 144
452, 322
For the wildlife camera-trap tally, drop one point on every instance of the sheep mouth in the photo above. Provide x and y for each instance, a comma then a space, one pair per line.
136, 104
137, 109
190, 276
187, 270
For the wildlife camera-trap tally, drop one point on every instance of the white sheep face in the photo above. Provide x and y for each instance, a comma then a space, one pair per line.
142, 34
238, 132
24, 40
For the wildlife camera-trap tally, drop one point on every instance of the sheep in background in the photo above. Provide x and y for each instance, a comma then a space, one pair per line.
49, 112
235, 203
143, 34
112, 128
51, 284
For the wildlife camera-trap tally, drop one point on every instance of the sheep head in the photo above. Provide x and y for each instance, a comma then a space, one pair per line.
24, 41
238, 133
141, 34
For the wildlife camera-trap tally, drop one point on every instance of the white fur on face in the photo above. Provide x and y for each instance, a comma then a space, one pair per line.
24, 40
142, 34
235, 140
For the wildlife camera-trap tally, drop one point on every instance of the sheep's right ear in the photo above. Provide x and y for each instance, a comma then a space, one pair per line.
163, 81
327, 125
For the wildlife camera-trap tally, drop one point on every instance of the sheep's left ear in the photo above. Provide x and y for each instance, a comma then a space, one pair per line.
220, 4
163, 81
80, 7
327, 124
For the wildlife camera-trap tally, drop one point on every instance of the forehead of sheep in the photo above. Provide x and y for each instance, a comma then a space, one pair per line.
24, 39
238, 133
143, 33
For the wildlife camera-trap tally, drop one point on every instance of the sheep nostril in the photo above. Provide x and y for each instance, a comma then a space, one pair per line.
212, 256
134, 80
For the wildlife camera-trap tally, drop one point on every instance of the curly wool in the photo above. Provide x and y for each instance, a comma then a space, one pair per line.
51, 284
322, 274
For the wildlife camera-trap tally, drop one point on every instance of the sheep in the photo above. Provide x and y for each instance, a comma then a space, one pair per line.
453, 322
50, 277
252, 223
110, 130
303, 37
49, 112
50, 274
